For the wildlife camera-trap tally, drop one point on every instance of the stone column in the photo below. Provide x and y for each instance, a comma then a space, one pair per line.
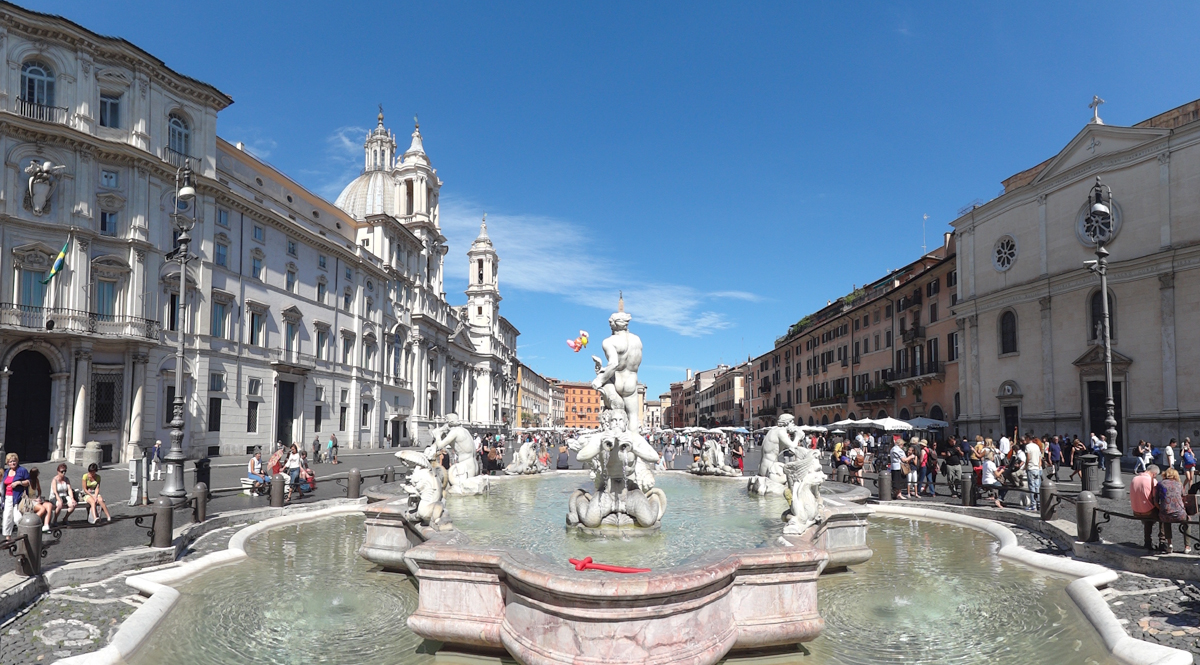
976, 398
1047, 357
83, 376
4, 376
355, 418
61, 387
1167, 305
134, 442
1164, 199
1042, 231
300, 431
121, 453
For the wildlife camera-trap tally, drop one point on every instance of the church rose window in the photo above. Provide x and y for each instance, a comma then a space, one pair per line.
1004, 253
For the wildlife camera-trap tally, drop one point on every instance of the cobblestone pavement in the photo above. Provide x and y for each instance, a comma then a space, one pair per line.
68, 621
1158, 610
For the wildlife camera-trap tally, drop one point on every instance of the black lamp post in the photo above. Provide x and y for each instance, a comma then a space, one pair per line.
1100, 226
185, 195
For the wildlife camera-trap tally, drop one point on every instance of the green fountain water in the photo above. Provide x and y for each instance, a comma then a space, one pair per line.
933, 594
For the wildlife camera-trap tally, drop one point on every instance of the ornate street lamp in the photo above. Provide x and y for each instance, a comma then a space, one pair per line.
185, 196
1100, 226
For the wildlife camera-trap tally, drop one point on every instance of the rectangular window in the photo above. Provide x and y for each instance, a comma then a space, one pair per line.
366, 415
876, 341
173, 314
291, 247
952, 346
254, 386
106, 300
347, 300
252, 416
290, 341
169, 406
218, 319
223, 217
256, 329
259, 233
107, 222
321, 292
33, 292
952, 278
222, 255
933, 313
322, 343
216, 382
321, 261
342, 420
106, 400
214, 414
887, 311
256, 268
291, 281
345, 395
108, 179
317, 418
349, 275
110, 111
320, 394
347, 349
887, 339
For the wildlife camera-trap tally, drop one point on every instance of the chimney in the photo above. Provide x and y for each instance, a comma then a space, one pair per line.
689, 375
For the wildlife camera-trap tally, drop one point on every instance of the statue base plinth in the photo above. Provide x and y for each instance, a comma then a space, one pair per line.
761, 485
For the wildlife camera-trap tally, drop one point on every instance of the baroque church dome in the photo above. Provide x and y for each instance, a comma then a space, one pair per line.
371, 193
374, 190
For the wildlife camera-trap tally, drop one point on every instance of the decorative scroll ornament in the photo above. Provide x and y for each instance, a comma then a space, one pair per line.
43, 176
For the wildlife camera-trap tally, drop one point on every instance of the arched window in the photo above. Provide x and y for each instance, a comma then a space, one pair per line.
811, 422
904, 415
37, 83
1096, 317
824, 420
936, 413
179, 134
881, 415
1008, 333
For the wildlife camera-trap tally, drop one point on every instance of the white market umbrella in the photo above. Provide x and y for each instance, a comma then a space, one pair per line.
844, 423
891, 425
928, 423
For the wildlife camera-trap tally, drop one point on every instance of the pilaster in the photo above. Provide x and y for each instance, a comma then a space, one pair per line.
1166, 291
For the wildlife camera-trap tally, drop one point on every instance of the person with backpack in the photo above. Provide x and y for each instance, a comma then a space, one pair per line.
1188, 460
156, 472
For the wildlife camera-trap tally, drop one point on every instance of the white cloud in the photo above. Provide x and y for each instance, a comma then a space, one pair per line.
737, 295
547, 255
343, 162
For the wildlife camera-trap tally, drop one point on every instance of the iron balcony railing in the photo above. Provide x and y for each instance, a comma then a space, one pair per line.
884, 394
913, 334
36, 111
919, 370
829, 401
179, 159
59, 319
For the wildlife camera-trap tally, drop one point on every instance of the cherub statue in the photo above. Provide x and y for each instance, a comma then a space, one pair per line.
430, 509
804, 477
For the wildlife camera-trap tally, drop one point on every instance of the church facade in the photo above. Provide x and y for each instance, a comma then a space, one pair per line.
301, 319
1029, 309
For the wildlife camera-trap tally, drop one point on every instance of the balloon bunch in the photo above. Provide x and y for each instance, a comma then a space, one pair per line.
579, 342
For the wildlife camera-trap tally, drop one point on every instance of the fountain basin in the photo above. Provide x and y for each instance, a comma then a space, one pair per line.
694, 609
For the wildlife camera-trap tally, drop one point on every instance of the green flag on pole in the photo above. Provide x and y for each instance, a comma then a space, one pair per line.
59, 262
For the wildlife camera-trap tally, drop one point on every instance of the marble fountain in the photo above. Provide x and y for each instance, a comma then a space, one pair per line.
456, 567
495, 574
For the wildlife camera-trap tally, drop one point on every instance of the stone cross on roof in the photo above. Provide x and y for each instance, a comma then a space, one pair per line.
1095, 107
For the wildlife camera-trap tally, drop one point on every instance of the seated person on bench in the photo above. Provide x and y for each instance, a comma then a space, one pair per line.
254, 471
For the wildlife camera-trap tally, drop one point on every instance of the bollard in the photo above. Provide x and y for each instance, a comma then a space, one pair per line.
29, 561
164, 523
885, 485
968, 485
389, 474
1085, 517
200, 512
278, 482
843, 474
353, 482
1049, 489
1089, 480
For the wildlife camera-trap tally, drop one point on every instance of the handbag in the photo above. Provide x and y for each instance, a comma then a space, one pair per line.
26, 505
905, 468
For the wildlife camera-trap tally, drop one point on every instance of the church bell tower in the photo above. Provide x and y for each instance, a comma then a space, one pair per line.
483, 292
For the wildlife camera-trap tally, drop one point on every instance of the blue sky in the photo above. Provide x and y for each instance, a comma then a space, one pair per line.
731, 168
